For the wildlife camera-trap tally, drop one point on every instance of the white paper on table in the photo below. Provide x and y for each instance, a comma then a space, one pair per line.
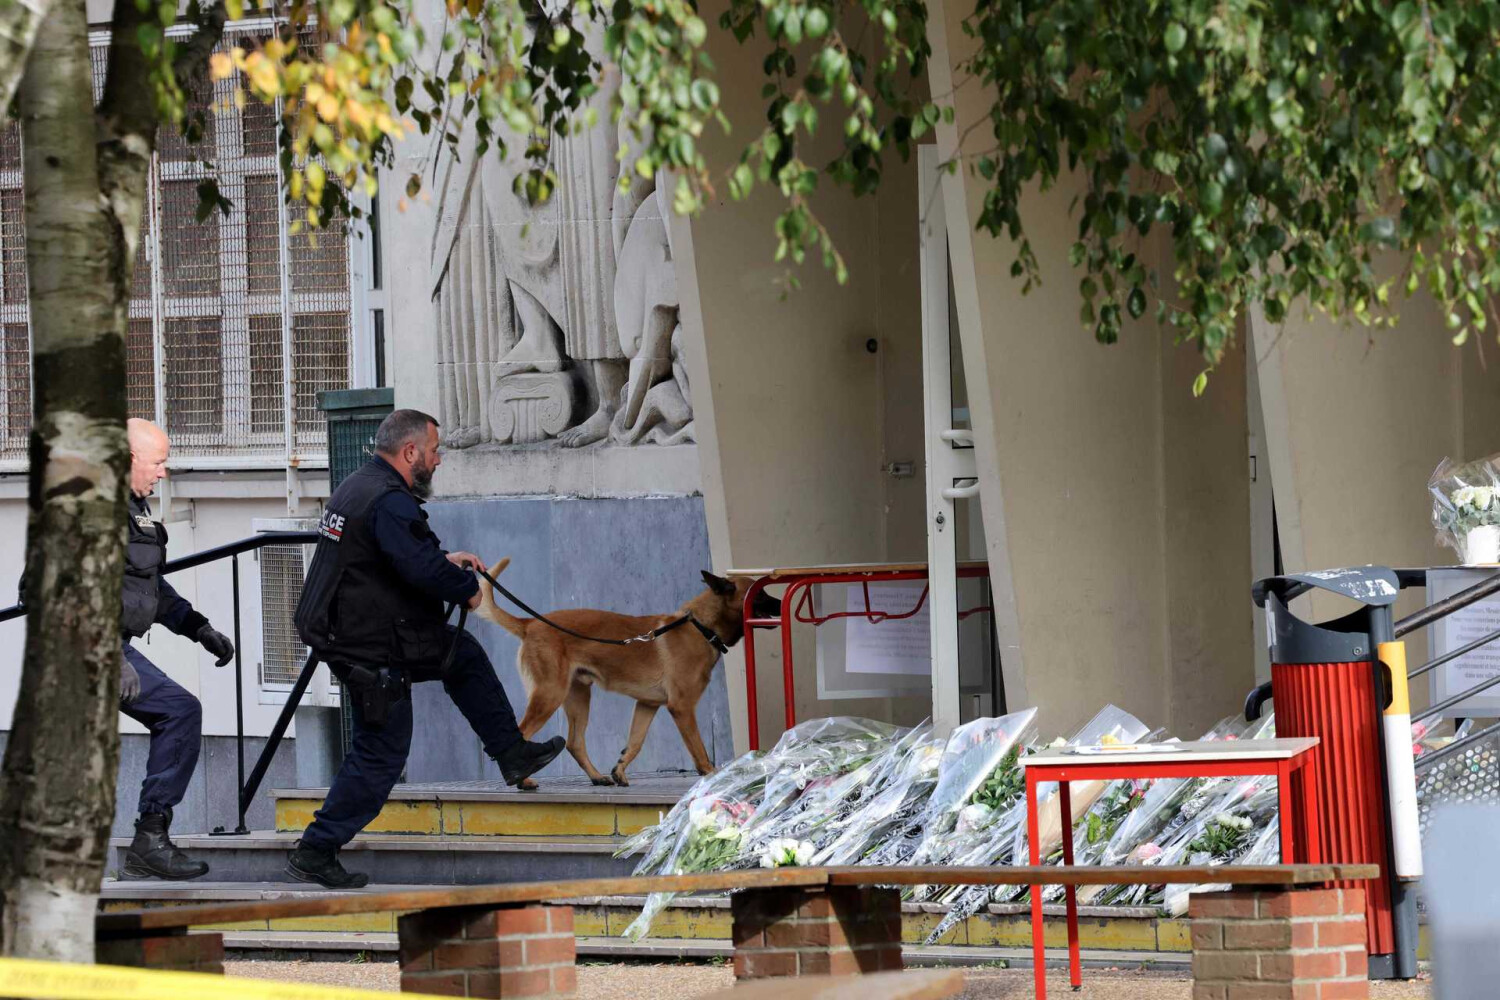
893, 646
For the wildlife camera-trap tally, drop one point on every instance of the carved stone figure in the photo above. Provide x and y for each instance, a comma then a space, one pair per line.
539, 311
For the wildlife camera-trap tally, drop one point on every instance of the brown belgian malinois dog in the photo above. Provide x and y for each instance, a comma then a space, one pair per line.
672, 670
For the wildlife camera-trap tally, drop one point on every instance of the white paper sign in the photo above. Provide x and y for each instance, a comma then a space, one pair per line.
892, 646
1459, 629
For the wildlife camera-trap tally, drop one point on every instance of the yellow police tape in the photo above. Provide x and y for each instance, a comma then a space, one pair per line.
34, 980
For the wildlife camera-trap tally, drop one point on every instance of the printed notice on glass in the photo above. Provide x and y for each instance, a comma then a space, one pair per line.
1459, 629
894, 645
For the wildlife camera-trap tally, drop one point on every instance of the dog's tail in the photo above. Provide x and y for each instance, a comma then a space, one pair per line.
490, 611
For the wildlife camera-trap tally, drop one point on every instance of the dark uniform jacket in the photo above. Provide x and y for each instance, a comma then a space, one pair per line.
377, 590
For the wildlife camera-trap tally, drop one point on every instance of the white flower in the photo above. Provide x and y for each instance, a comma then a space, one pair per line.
729, 832
1462, 496
1484, 496
932, 756
974, 816
785, 851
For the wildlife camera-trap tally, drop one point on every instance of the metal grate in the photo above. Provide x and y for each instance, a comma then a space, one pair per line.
1472, 775
267, 408
194, 351
263, 237
282, 651
190, 251
222, 303
10, 147
17, 366
140, 369
13, 245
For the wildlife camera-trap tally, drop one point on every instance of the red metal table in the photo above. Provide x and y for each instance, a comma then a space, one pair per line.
1285, 759
796, 606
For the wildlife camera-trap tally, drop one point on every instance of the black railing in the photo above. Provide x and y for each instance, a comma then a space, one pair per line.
232, 552
1488, 587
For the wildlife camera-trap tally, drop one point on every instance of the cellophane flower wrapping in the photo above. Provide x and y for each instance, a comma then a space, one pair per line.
1464, 496
847, 791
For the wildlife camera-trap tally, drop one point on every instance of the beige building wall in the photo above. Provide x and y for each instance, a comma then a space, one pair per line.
1355, 424
1122, 501
795, 415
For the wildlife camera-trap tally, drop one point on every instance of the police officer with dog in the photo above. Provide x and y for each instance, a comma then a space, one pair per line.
374, 607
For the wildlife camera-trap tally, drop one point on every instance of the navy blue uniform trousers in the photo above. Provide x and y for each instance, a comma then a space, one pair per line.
376, 756
175, 718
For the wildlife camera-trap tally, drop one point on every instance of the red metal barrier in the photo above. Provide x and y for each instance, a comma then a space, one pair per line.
796, 606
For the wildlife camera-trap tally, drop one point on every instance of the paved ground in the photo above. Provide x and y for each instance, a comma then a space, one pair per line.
680, 982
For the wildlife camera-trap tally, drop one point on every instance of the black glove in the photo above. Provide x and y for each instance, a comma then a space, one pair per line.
130, 682
217, 643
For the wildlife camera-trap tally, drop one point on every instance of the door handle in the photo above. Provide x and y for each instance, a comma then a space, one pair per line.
958, 436
962, 492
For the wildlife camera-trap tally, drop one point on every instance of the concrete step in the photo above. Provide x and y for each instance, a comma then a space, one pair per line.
563, 807
314, 946
409, 859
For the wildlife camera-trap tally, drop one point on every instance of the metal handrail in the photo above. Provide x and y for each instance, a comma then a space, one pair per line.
232, 552
1259, 695
1438, 610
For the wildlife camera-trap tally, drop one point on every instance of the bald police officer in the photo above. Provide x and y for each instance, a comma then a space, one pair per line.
374, 609
150, 697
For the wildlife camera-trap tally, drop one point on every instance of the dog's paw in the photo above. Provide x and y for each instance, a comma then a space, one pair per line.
618, 776
527, 785
603, 780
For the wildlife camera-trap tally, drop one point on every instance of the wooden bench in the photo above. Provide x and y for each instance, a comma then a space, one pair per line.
516, 940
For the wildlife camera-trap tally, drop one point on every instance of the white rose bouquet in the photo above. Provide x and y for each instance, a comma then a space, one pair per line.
1466, 508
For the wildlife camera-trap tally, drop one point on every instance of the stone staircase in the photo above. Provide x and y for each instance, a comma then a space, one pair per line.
455, 833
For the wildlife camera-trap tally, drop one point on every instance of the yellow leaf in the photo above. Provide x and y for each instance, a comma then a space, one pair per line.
328, 108
221, 66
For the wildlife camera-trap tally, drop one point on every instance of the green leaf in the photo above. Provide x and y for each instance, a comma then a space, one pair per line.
1175, 38
1135, 304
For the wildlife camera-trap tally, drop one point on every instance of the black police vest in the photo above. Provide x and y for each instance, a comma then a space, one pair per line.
145, 554
354, 608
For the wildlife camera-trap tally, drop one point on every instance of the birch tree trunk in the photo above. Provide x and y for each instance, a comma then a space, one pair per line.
19, 21
57, 786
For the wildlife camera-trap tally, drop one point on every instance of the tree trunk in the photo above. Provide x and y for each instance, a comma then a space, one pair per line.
19, 20
57, 787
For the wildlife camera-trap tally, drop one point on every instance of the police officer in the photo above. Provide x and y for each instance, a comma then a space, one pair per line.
150, 697
374, 608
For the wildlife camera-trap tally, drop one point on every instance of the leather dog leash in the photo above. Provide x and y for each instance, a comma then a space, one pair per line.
709, 635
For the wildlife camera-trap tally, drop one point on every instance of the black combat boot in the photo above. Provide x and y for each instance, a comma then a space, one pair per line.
524, 759
153, 855
309, 864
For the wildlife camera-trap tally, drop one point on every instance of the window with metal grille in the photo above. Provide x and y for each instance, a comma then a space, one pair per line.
235, 322
282, 651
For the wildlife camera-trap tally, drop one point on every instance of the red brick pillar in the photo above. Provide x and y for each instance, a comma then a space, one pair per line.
1280, 944
479, 951
817, 931
178, 952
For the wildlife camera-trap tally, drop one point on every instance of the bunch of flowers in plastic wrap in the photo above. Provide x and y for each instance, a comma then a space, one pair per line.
849, 791
1466, 507
744, 812
1173, 809
1004, 840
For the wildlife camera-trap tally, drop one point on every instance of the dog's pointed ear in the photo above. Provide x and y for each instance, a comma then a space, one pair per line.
718, 584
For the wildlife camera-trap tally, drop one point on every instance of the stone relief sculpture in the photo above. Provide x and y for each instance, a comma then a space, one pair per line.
558, 325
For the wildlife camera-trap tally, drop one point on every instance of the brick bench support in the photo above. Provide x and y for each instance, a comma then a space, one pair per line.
167, 952
1280, 944
834, 930
514, 952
